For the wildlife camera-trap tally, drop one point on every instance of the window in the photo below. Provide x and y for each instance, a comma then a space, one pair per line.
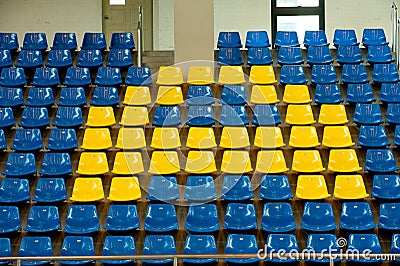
117, 2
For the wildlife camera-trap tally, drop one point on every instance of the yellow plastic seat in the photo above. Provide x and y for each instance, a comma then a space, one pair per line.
164, 163
263, 94
87, 189
299, 114
234, 138
296, 94
332, 114
124, 189
350, 187
201, 138
271, 162
231, 75
200, 162
135, 95
127, 163
169, 75
303, 137
311, 187
236, 162
337, 137
200, 75
131, 139
93, 163
343, 160
268, 138
100, 116
169, 95
165, 138
96, 139
262, 75
134, 116
307, 161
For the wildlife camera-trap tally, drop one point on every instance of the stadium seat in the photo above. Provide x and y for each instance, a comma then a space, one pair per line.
200, 188
46, 77
230, 56
236, 162
118, 246
201, 138
12, 77
271, 162
290, 56
99, 116
164, 163
9, 41
380, 160
350, 187
307, 161
234, 138
368, 114
124, 189
200, 95
354, 74
266, 115
300, 114
96, 139
263, 94
275, 188
6, 118
169, 95
343, 160
318, 217
137, 96
364, 243
5, 59
35, 246
386, 187
337, 137
332, 114
268, 137
122, 40
390, 93
286, 38
396, 139
35, 41
5, 249
311, 187
27, 140
165, 138
10, 220
81, 220
167, 116
202, 219
20, 164
72, 96
292, 74
160, 218
34, 117
158, 245
77, 246
11, 97
200, 75
87, 190
319, 55
356, 216
240, 217
233, 115
385, 73
56, 164
128, 163
259, 56
92, 163
105, 96
200, 244
389, 216
121, 58
327, 94
200, 162
262, 75
138, 76
64, 41
29, 59
241, 244
14, 190
257, 39
90, 59
40, 97
393, 113
236, 188
285, 243
50, 190
395, 246
345, 37
374, 36
68, 116
94, 40
122, 218
318, 243
135, 116
77, 77
315, 38
231, 75
169, 76
379, 54
233, 95
359, 93
278, 218
108, 76
296, 94
43, 219
229, 39
349, 54
323, 74
3, 142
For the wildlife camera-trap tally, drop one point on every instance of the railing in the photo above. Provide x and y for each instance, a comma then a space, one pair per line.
395, 32
140, 37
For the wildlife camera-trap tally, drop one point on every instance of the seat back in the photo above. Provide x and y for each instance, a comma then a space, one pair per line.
49, 190
236, 188
94, 40
275, 187
43, 219
64, 40
257, 39
29, 59
318, 217
138, 76
90, 58
9, 41
229, 40
160, 218
35, 41
122, 40
202, 218
10, 219
45, 77
122, 218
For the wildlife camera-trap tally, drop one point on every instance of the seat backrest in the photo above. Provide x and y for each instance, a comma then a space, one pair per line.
202, 218
9, 41
138, 76
35, 41
50, 190
122, 218
94, 40
64, 40
257, 39
122, 40
236, 188
229, 39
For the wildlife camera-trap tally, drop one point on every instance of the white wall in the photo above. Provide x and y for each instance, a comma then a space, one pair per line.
163, 25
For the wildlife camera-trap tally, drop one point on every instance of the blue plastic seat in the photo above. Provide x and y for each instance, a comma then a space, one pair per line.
29, 59
160, 218
275, 188
197, 245
5, 59
345, 37
230, 56
67, 117
278, 218
266, 115
200, 95
90, 58
349, 54
61, 139
122, 40
315, 38
11, 97
9, 41
236, 188
380, 160
40, 97
390, 92
119, 58
290, 56
393, 113
389, 218
200, 188
81, 219
367, 114
240, 217
27, 140
50, 190
59, 59
20, 164
318, 217
5, 249
159, 245
64, 41
77, 246
379, 54
3, 142
241, 244
77, 77
396, 139
286, 243
138, 76
374, 36
94, 40
229, 39
360, 93
167, 116
320, 243
293, 74
233, 95
354, 74
200, 115
43, 219
46, 77
122, 218
386, 187
56, 164
12, 77
257, 39
319, 55
286, 38
395, 246
327, 94
385, 73
202, 219
72, 96
105, 96
118, 246
14, 190
10, 220
35, 246
163, 188
259, 56
323, 74
35, 41
108, 76
362, 244
34, 117
372, 137
233, 115
357, 216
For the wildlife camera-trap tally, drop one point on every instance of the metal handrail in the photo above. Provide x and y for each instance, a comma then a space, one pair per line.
395, 32
140, 37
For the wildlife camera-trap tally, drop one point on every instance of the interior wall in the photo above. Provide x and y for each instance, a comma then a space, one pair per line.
163, 25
